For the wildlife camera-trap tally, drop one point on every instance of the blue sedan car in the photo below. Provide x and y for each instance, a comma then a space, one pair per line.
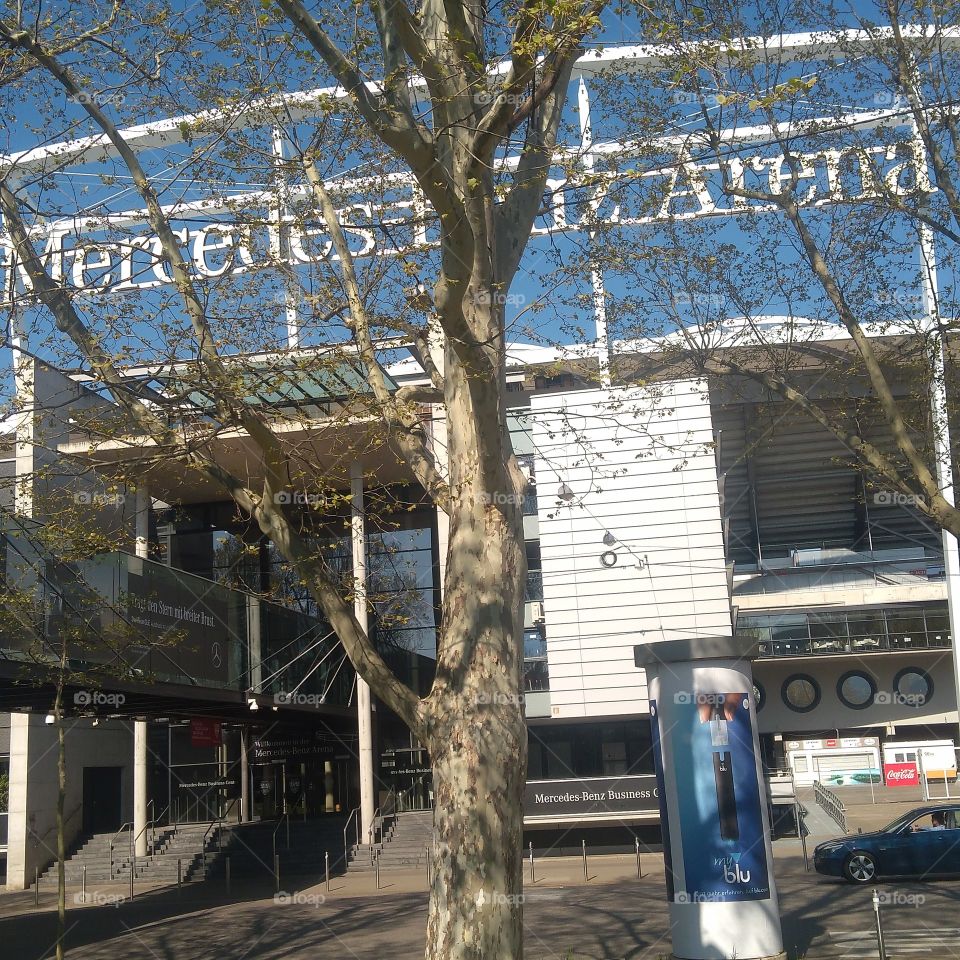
922, 843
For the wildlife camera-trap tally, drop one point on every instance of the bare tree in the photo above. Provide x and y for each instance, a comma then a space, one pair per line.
450, 139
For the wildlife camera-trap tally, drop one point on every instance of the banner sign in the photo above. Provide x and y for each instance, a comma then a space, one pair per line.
901, 775
294, 746
682, 188
595, 796
205, 733
719, 801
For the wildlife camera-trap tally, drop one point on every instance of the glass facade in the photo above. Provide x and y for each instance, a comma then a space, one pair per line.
848, 631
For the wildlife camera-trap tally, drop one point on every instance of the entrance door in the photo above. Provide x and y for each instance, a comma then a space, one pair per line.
102, 799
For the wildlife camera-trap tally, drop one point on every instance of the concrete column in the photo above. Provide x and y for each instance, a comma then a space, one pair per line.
245, 812
141, 548
140, 786
364, 715
942, 446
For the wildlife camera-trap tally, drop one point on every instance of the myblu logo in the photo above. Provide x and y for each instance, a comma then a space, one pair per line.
732, 873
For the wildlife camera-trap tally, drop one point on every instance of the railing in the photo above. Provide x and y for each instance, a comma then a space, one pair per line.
354, 815
533, 590
285, 819
215, 823
123, 827
832, 805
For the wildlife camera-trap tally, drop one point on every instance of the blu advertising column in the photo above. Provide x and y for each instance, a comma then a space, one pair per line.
718, 859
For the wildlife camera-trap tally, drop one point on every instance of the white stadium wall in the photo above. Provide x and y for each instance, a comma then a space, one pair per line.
640, 465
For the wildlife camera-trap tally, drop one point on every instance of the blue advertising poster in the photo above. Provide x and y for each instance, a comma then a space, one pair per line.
724, 849
661, 793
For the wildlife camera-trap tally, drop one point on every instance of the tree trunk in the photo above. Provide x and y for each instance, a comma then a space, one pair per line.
61, 844
476, 893
475, 729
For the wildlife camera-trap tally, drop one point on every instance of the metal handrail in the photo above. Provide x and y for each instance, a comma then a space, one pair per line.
123, 826
372, 832
220, 820
832, 805
280, 822
355, 812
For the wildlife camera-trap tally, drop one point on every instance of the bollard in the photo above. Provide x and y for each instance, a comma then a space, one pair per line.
326, 868
133, 870
378, 872
83, 885
584, 842
533, 876
881, 946
803, 838
179, 874
636, 840
276, 870
426, 858
36, 887
226, 873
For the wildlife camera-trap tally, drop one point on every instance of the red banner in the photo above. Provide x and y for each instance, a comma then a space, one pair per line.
900, 775
205, 733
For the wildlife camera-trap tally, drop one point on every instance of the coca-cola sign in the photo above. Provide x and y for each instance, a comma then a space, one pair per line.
900, 774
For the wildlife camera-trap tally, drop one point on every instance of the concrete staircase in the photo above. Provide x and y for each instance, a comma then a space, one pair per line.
160, 865
250, 848
405, 844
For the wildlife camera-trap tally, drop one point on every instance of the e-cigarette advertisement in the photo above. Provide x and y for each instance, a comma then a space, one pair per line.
724, 853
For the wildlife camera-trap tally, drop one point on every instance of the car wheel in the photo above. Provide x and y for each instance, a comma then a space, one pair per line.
860, 867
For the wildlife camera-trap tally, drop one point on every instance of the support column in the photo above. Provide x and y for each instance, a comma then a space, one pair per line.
140, 786
941, 432
245, 816
141, 548
364, 715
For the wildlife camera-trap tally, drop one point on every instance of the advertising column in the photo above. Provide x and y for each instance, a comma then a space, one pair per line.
716, 833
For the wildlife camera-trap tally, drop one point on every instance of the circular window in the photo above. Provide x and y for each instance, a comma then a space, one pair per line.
913, 687
759, 695
800, 692
856, 690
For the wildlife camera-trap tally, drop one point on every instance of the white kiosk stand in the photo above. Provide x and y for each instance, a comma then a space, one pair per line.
716, 832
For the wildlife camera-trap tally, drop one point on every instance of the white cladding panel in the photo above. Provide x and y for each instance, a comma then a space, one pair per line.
640, 464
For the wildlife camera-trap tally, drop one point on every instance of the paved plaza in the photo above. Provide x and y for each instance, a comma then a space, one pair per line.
612, 915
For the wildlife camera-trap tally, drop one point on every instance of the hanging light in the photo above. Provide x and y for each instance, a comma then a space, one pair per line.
609, 539
565, 493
